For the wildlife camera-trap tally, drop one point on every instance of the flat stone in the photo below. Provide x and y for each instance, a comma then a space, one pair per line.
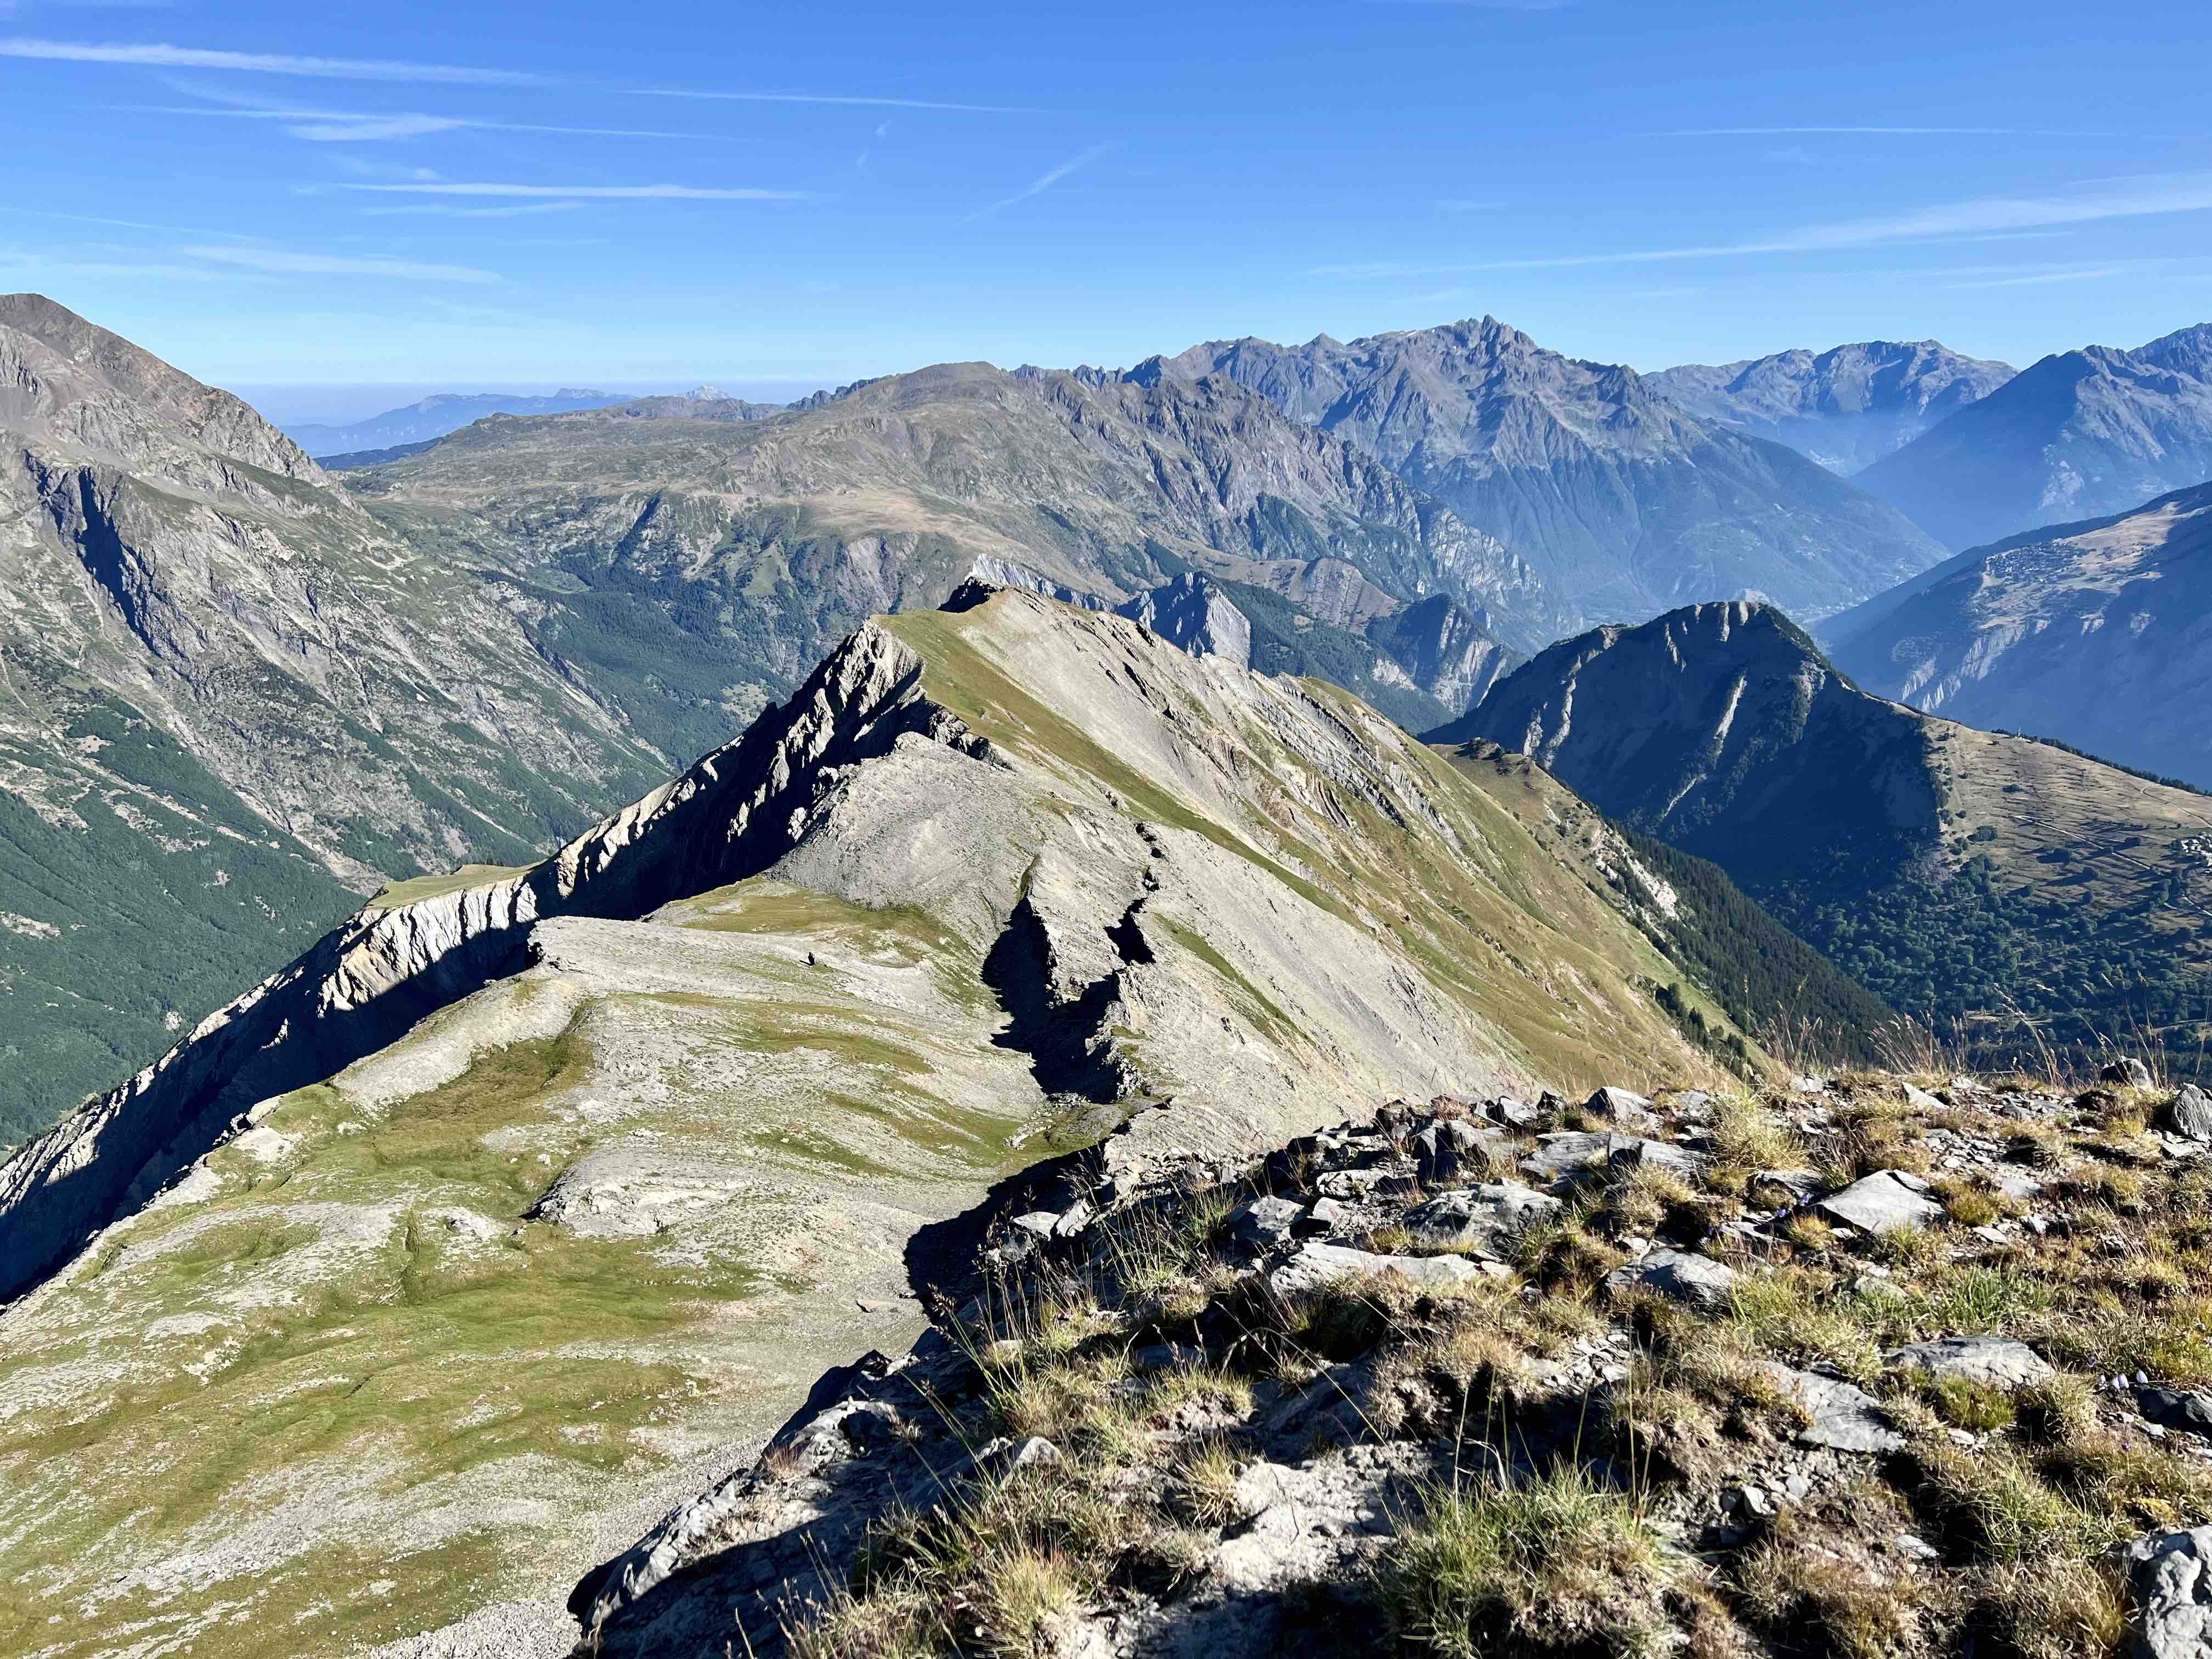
1997, 1361
1037, 1223
1887, 1201
1571, 1150
1844, 1417
2130, 1073
1480, 1215
1681, 1276
1266, 1220
1317, 1264
2188, 1114
1920, 1100
2176, 1408
2169, 1575
2016, 1183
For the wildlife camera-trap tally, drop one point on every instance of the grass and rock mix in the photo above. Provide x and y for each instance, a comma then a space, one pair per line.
1876, 1367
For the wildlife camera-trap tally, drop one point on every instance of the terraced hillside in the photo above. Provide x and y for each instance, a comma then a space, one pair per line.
429, 1273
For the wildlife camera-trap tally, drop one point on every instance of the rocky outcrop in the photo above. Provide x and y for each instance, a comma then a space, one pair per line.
1193, 615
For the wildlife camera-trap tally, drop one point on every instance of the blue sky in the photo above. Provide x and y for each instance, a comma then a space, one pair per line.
413, 195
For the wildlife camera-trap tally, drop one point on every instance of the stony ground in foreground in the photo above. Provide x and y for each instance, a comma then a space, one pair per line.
1875, 1367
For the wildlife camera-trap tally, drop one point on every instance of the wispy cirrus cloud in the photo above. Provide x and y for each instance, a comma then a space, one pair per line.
1875, 132
266, 63
861, 102
448, 210
331, 126
592, 193
1991, 217
1997, 276
286, 263
1042, 183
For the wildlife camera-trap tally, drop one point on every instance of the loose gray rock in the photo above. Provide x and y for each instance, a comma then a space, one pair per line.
1329, 1217
2131, 1073
1514, 1114
1887, 1201
1445, 1150
1487, 1214
1266, 1220
1998, 1361
1704, 1284
2176, 1408
1844, 1417
2188, 1114
2169, 1575
1619, 1106
1573, 1150
1315, 1265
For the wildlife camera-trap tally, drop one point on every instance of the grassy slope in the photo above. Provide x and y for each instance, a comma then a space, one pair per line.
226, 1379
1523, 941
2063, 894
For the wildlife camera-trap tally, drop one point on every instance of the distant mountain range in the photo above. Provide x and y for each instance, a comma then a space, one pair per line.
1963, 876
1623, 503
1845, 408
745, 546
437, 415
2079, 434
2098, 634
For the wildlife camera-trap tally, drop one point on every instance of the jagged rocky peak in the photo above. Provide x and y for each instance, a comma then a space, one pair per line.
1571, 464
70, 382
2005, 885
597, 1165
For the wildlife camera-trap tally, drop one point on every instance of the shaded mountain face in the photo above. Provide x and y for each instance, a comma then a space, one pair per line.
1845, 408
2078, 435
694, 565
434, 416
2096, 634
451, 1252
1622, 502
1961, 875
231, 697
